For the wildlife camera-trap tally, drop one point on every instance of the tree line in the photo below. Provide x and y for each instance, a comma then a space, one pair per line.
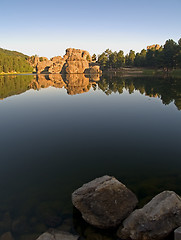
168, 90
12, 61
166, 57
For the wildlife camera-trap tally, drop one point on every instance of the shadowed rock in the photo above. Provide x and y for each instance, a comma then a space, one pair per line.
7, 236
57, 235
155, 220
104, 202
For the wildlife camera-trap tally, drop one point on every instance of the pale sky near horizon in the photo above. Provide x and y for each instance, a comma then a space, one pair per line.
47, 28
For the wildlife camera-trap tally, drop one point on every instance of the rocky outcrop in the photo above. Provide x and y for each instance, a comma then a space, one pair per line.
154, 46
77, 61
93, 69
57, 64
155, 220
57, 235
104, 202
74, 61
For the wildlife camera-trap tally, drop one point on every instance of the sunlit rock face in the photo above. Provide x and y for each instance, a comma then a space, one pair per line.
74, 61
77, 61
154, 46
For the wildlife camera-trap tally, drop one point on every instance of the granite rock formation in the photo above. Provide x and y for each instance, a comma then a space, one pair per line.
104, 202
156, 220
155, 46
74, 61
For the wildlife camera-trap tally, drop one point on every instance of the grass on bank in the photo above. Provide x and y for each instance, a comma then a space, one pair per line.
14, 73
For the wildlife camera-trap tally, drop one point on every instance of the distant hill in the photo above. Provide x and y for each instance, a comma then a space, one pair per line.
13, 62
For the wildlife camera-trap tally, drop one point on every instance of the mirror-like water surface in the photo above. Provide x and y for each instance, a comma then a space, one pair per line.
58, 132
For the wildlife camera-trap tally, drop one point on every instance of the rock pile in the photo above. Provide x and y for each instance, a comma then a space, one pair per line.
105, 202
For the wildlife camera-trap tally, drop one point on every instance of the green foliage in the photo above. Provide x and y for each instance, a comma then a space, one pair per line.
169, 52
130, 58
94, 57
109, 59
166, 57
140, 59
12, 61
41, 59
168, 90
88, 58
14, 84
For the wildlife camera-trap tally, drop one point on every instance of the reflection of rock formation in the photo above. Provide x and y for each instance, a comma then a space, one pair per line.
77, 83
45, 81
74, 61
73, 83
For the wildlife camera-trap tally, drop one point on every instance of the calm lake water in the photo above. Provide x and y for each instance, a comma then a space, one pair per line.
60, 132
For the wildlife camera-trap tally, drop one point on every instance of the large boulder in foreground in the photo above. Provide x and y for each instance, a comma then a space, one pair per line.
104, 202
57, 235
156, 220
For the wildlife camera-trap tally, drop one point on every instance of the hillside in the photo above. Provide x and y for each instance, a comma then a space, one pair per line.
13, 62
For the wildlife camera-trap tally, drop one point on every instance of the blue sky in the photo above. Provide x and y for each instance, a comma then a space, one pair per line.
47, 28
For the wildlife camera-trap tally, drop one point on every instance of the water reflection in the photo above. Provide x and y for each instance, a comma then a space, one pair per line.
52, 144
167, 89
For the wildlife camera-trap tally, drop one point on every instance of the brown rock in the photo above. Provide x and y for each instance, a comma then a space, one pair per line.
7, 236
74, 61
155, 220
104, 202
154, 46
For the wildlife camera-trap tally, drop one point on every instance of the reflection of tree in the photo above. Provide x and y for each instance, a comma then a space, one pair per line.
168, 89
14, 84
74, 83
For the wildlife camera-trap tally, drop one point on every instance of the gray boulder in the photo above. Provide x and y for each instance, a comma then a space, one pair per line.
57, 235
156, 220
104, 202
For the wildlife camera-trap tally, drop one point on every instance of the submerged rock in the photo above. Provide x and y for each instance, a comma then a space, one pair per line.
155, 220
7, 236
57, 235
104, 202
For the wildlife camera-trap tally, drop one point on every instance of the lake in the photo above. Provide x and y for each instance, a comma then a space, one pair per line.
59, 132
